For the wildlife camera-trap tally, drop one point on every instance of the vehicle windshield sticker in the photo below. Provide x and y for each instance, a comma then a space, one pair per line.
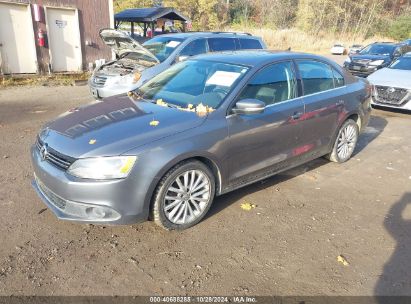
223, 78
173, 44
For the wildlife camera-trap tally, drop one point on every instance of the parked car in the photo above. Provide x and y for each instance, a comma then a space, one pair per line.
138, 63
374, 57
407, 42
338, 49
202, 128
354, 49
392, 85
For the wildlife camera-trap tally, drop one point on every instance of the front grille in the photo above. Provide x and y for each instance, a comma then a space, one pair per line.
99, 80
51, 196
53, 157
361, 61
391, 95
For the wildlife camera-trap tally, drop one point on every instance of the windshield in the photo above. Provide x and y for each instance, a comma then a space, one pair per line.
378, 49
191, 83
403, 63
162, 47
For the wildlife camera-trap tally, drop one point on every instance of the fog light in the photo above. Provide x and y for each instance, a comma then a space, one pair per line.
97, 212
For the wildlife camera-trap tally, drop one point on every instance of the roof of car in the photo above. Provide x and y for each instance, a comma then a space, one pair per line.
208, 34
256, 57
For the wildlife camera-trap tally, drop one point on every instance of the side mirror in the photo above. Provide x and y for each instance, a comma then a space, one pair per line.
249, 106
181, 58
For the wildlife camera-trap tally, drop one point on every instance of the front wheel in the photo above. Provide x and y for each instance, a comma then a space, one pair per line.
345, 142
183, 196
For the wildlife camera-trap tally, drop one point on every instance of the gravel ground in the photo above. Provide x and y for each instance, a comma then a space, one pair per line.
287, 245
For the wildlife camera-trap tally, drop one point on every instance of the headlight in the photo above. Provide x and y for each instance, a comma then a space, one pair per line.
376, 62
103, 167
348, 60
124, 80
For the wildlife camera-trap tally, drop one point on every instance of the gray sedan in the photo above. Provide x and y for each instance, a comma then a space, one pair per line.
200, 129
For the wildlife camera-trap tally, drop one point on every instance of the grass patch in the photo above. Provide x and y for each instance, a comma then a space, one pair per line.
41, 80
300, 41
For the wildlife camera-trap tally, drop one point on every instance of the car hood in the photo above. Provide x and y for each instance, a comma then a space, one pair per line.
391, 78
370, 57
114, 126
122, 43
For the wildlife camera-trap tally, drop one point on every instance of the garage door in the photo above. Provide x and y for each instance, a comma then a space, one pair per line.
64, 39
17, 46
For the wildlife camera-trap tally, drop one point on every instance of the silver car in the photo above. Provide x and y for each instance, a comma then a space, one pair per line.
204, 127
392, 85
138, 63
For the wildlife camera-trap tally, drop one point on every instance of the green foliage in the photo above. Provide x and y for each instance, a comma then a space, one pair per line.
120, 5
400, 28
354, 18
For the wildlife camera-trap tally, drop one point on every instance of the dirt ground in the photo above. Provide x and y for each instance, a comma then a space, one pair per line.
288, 245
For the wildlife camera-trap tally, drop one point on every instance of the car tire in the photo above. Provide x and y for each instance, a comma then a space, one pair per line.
179, 202
345, 142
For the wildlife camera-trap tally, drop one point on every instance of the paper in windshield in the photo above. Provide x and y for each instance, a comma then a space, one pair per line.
222, 78
173, 44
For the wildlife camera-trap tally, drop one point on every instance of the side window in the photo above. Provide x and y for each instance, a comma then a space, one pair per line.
195, 47
250, 44
272, 84
221, 44
316, 76
338, 79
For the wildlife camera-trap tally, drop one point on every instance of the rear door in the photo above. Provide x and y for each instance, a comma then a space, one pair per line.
324, 97
249, 44
219, 44
263, 143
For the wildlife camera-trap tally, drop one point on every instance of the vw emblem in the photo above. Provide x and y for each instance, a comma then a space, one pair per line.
390, 90
44, 152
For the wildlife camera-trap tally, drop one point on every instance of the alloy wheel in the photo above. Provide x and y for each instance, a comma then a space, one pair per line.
187, 197
346, 142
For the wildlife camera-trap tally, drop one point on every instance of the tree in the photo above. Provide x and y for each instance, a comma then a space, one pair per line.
400, 29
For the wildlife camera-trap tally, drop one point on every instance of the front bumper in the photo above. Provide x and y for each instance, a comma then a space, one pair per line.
406, 106
115, 202
360, 70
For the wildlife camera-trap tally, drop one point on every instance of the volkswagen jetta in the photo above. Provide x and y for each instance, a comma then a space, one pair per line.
202, 128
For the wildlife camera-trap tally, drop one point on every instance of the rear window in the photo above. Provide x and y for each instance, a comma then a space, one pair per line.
316, 76
250, 44
221, 44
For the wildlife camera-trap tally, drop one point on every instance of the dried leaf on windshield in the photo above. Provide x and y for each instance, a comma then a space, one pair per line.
160, 102
203, 110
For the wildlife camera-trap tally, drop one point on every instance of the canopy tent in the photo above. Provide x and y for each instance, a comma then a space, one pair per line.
148, 17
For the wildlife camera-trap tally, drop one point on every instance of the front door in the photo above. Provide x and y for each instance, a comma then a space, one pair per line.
64, 39
260, 144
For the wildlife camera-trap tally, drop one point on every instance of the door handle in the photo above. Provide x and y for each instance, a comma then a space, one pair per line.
296, 115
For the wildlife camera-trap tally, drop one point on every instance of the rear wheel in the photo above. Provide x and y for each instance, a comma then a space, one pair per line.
183, 196
345, 142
